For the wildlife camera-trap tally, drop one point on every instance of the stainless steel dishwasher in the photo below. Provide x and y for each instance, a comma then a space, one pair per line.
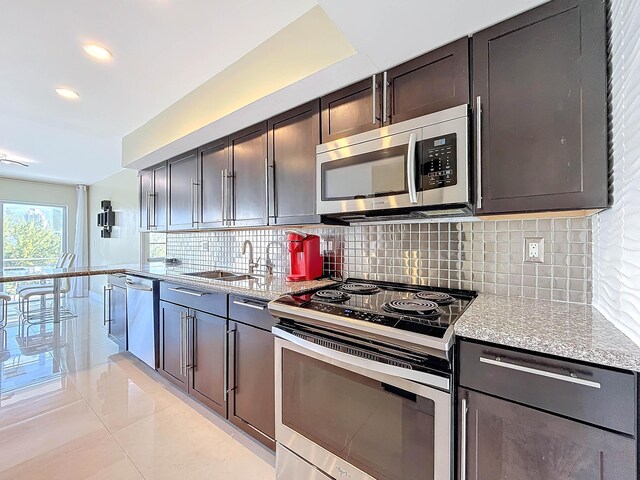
142, 327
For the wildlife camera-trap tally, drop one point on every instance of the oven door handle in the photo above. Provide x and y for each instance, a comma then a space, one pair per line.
411, 168
413, 375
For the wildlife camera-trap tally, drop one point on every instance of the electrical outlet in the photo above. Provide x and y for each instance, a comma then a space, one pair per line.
204, 246
534, 250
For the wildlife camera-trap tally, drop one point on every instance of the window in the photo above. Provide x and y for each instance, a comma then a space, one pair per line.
156, 247
32, 236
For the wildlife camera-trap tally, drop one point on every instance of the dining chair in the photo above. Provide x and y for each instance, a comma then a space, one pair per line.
41, 291
59, 263
5, 298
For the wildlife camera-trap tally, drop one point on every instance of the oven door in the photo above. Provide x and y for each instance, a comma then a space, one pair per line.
381, 173
354, 418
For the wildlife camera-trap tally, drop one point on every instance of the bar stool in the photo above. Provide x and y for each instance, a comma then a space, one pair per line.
4, 299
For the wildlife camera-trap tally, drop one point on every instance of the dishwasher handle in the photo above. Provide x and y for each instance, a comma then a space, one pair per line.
135, 286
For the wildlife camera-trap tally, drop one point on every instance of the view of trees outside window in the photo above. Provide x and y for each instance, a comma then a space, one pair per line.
32, 236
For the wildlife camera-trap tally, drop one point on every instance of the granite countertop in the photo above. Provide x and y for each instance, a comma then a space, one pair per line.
573, 331
267, 287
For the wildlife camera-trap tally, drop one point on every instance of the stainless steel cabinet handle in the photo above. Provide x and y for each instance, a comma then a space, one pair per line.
106, 306
188, 360
266, 190
250, 305
541, 373
194, 203
193, 293
463, 440
182, 344
148, 211
385, 85
230, 197
479, 152
194, 347
226, 361
373, 99
223, 189
411, 168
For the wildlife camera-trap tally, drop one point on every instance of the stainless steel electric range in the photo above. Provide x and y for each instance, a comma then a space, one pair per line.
364, 381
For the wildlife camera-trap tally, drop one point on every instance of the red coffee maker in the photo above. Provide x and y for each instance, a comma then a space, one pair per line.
306, 261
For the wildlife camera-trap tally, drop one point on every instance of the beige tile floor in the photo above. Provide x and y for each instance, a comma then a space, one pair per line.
73, 407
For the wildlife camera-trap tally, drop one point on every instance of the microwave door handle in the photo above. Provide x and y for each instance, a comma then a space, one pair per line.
411, 168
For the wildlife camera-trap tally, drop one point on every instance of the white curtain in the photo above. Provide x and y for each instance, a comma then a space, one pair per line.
80, 285
616, 239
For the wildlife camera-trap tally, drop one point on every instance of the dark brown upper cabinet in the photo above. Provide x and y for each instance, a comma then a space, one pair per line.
434, 81
183, 192
293, 137
351, 110
248, 181
540, 110
152, 190
213, 172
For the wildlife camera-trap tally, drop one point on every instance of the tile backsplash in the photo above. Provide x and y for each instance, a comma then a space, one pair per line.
487, 256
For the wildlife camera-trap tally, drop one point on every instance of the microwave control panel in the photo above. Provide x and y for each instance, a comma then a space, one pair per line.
439, 165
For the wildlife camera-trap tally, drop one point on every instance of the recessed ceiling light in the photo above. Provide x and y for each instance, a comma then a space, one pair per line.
6, 161
96, 51
67, 93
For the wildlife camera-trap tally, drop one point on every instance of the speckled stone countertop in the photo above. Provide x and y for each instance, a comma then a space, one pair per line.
267, 287
578, 332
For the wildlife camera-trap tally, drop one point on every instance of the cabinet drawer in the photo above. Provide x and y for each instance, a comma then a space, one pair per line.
252, 311
192, 297
591, 394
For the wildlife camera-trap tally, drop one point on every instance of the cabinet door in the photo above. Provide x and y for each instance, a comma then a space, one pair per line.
541, 80
213, 161
208, 368
183, 174
351, 110
293, 137
249, 163
432, 82
145, 190
509, 441
159, 204
118, 315
173, 326
251, 371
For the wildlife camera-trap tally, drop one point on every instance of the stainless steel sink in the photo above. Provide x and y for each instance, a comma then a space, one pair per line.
215, 274
221, 275
237, 278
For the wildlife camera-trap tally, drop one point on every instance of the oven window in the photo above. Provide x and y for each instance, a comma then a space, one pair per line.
374, 174
384, 431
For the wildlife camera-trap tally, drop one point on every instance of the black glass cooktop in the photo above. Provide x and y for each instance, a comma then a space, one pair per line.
420, 309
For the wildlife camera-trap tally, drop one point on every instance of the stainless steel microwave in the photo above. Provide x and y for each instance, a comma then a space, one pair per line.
417, 168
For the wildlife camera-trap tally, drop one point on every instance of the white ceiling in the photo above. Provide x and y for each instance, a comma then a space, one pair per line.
163, 49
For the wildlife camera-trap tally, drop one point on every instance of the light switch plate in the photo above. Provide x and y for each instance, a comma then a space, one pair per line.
204, 246
534, 250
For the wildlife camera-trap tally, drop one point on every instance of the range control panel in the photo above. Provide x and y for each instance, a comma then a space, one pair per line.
439, 162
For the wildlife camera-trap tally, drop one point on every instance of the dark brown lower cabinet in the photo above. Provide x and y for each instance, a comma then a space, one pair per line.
251, 368
251, 378
207, 370
192, 353
505, 440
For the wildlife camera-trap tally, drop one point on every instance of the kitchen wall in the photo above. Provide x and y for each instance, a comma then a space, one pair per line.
12, 190
485, 256
124, 244
617, 231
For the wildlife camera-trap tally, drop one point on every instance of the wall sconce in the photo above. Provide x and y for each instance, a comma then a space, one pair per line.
106, 219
